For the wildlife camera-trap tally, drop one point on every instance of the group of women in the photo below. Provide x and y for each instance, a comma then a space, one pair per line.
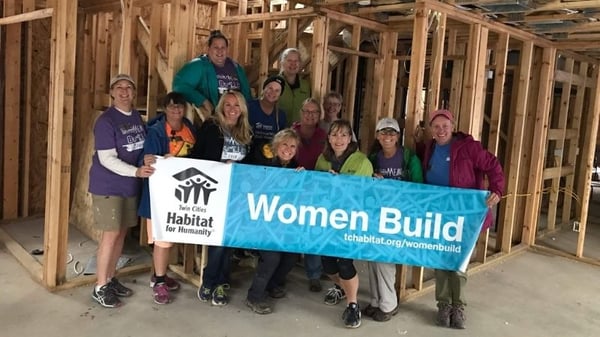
282, 128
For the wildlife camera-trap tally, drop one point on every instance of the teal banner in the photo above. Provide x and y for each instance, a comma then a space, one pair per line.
256, 207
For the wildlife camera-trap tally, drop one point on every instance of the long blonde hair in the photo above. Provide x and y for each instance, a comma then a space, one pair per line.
241, 131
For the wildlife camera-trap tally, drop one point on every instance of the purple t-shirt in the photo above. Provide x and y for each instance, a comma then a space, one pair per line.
391, 167
227, 78
126, 134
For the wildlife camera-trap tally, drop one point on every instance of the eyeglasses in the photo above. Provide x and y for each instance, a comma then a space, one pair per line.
311, 112
388, 132
339, 135
174, 106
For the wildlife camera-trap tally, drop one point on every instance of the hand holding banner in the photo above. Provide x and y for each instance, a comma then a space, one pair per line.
203, 202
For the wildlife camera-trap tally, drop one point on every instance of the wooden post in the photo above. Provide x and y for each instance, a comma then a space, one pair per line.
350, 76
28, 6
12, 113
514, 163
126, 41
557, 157
415, 100
500, 57
219, 11
388, 46
573, 138
101, 77
470, 116
538, 151
265, 45
181, 28
240, 41
60, 124
153, 76
437, 61
319, 60
591, 132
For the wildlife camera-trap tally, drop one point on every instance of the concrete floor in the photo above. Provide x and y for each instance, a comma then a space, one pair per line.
526, 295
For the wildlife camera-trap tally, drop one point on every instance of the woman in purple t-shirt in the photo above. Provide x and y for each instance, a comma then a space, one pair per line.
119, 135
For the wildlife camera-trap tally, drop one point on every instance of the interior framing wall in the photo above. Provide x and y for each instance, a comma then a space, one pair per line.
463, 39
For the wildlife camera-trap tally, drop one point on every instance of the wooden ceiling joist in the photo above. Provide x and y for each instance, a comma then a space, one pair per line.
25, 17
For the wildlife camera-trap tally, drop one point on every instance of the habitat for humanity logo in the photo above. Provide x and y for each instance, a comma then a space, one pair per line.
193, 184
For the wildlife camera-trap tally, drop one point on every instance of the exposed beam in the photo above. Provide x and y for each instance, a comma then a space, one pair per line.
296, 13
352, 20
35, 15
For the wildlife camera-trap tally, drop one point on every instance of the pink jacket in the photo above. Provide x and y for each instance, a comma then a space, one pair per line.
470, 163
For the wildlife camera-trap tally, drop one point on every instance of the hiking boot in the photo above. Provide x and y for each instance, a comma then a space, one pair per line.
172, 284
443, 314
106, 297
314, 285
277, 292
205, 294
334, 295
119, 289
457, 316
382, 316
351, 316
260, 307
219, 296
161, 293
369, 311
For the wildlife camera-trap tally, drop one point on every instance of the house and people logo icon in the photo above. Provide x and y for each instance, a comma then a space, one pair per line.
193, 184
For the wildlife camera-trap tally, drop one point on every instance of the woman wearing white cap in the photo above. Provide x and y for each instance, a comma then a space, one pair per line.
391, 161
119, 135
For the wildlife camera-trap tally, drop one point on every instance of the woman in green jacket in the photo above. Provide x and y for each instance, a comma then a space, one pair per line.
297, 89
204, 79
341, 156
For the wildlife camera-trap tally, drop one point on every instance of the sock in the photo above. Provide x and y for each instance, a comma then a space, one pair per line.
159, 279
97, 288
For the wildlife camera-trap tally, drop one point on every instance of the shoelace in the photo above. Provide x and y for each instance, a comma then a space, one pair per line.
220, 290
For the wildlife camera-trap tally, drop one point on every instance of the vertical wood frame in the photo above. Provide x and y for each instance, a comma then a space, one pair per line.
58, 176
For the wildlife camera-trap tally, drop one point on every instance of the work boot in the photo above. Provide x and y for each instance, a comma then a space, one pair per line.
443, 314
457, 317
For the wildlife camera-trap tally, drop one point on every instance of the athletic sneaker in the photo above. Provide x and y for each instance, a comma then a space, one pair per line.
219, 296
119, 289
205, 294
351, 316
106, 297
334, 295
161, 294
172, 284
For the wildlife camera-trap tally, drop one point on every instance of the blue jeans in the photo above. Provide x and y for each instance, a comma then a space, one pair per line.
313, 266
218, 267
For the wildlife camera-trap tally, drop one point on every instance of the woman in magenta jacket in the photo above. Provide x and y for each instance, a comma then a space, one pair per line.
456, 159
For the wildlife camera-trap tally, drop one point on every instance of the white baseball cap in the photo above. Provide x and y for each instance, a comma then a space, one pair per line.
387, 123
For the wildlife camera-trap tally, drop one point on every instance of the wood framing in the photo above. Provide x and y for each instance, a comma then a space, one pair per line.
398, 60
62, 79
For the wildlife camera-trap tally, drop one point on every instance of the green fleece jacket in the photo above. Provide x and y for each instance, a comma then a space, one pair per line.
197, 81
357, 164
291, 100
